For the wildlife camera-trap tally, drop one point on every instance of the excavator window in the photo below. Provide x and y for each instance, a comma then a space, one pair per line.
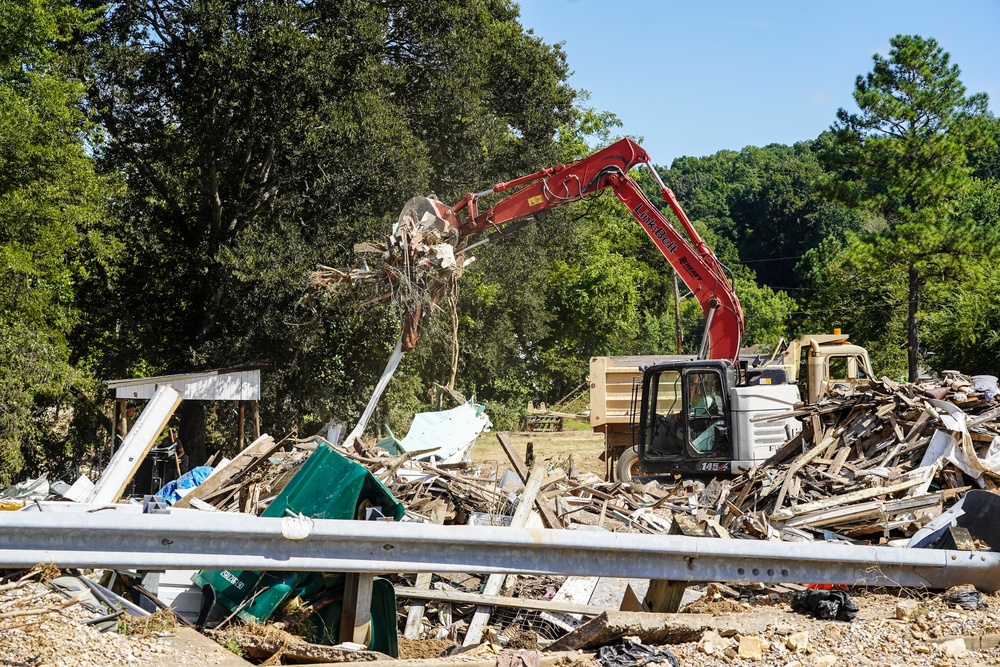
705, 412
666, 401
687, 414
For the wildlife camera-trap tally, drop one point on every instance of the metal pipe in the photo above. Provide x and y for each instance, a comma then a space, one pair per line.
233, 541
703, 349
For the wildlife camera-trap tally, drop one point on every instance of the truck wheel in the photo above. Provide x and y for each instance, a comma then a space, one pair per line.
628, 468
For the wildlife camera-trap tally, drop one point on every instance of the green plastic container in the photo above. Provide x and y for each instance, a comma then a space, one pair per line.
328, 486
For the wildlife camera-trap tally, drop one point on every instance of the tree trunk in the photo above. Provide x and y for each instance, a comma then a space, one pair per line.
194, 420
911, 324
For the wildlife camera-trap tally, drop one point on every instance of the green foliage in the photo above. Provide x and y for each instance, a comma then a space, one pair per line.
849, 289
961, 324
904, 159
762, 205
242, 145
51, 230
259, 142
766, 310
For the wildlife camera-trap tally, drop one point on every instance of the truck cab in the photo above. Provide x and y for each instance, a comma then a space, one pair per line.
812, 360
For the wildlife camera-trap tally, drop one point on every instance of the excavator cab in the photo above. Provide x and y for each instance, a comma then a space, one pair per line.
684, 421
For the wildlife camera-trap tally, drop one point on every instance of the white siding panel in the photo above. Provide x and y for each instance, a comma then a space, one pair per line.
236, 386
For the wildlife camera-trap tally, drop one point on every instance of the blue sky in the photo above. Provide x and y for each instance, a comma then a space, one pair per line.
693, 78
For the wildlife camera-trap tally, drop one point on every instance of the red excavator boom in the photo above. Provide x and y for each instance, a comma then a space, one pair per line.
694, 261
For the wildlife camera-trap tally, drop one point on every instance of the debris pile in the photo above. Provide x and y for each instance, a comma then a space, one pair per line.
872, 461
42, 622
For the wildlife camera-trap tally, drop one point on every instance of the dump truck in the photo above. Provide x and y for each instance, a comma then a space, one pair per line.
804, 365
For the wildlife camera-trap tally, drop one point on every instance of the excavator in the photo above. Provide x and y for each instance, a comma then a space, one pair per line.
704, 416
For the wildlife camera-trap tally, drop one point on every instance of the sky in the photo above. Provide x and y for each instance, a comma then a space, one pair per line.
696, 77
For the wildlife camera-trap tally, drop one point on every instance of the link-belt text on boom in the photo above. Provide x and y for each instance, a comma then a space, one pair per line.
658, 232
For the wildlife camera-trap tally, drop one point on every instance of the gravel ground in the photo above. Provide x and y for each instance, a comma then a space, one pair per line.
892, 628
57, 638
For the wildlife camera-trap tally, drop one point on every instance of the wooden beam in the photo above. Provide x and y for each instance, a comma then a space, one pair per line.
513, 456
241, 425
462, 597
549, 518
244, 463
255, 418
664, 595
495, 581
853, 497
355, 618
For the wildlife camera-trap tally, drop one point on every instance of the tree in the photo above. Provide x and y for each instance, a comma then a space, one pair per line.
903, 157
762, 201
51, 226
260, 138
963, 325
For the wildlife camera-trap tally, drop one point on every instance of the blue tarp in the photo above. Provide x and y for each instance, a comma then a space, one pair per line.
175, 490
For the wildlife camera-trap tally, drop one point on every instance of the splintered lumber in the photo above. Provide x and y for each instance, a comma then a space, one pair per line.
882, 430
549, 518
854, 496
475, 633
651, 628
264, 646
870, 510
798, 464
243, 464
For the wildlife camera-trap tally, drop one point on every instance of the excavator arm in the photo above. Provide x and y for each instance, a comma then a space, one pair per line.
694, 261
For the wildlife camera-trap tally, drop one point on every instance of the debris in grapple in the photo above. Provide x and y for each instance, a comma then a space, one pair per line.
419, 264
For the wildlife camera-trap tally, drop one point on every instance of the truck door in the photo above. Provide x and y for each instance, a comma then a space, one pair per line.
685, 417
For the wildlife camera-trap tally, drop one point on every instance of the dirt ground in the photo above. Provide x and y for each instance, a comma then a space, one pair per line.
577, 440
893, 627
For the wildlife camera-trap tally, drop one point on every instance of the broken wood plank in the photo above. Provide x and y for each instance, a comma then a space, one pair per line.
513, 456
838, 461
652, 628
555, 606
356, 616
853, 497
482, 616
244, 463
798, 464
549, 518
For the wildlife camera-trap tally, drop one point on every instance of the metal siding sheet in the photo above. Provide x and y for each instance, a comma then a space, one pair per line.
235, 386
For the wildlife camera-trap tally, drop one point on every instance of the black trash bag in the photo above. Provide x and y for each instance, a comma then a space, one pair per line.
966, 597
828, 605
634, 654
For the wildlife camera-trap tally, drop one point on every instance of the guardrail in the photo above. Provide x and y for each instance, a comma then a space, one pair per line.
185, 539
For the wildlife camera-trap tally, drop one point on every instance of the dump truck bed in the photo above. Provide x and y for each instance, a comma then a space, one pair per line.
611, 380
